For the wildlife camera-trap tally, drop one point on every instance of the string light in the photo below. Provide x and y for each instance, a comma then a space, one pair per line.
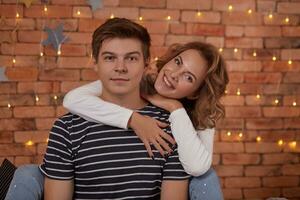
41, 54
199, 13
293, 144
228, 133
168, 17
276, 101
47, 140
220, 50
230, 8
37, 98
258, 138
270, 16
274, 58
238, 92
254, 54
287, 20
156, 58
235, 50
45, 8
9, 105
112, 16
17, 15
59, 52
290, 62
294, 103
29, 143
226, 91
55, 97
250, 11
78, 12
141, 18
14, 61
258, 96
280, 142
240, 134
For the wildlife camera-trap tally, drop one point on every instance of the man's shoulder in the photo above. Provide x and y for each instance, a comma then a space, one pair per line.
153, 111
70, 119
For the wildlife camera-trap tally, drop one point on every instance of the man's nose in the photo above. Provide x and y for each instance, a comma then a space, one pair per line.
121, 66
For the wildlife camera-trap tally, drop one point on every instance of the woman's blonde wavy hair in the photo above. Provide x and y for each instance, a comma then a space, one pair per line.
205, 108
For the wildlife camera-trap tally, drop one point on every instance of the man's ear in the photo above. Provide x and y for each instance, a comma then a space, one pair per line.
94, 64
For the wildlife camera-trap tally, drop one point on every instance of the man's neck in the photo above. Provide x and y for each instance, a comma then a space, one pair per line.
132, 101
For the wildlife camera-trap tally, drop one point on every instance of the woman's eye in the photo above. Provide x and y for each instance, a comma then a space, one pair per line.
189, 78
177, 61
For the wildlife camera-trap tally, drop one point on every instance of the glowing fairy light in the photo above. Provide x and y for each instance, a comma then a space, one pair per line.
280, 142
220, 50
235, 50
41, 54
199, 13
294, 103
258, 139
14, 61
293, 144
112, 16
238, 92
249, 11
270, 16
78, 12
290, 62
29, 143
59, 52
168, 18
230, 8
274, 58
47, 140
254, 54
45, 8
156, 58
240, 135
37, 98
258, 96
228, 133
55, 97
287, 20
17, 15
9, 105
141, 18
226, 92
276, 101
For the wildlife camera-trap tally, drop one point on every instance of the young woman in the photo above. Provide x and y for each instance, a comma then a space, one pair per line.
190, 81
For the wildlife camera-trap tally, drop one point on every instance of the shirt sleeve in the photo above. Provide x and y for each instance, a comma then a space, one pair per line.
85, 102
173, 169
58, 161
195, 148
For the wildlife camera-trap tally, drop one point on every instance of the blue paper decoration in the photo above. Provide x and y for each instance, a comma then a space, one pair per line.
55, 36
3, 77
95, 4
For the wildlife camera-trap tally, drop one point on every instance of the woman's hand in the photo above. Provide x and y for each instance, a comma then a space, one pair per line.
150, 132
162, 102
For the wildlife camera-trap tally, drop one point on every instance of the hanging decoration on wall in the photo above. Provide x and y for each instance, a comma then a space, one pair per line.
27, 2
3, 76
45, 1
95, 4
55, 37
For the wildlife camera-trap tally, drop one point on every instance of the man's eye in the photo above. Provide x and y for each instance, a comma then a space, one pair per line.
109, 58
132, 58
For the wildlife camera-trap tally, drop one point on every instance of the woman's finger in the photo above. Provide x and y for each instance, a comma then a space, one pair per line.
167, 137
148, 148
164, 145
161, 124
158, 147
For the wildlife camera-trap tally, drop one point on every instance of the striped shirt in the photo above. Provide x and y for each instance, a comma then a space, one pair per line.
108, 162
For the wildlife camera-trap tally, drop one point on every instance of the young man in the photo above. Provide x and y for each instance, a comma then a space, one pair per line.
87, 160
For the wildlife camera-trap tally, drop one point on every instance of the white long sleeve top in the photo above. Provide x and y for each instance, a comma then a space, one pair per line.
195, 147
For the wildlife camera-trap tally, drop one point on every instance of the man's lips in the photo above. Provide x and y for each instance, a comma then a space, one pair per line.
119, 79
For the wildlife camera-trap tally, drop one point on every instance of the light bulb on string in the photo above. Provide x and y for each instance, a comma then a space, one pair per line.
156, 58
238, 92
37, 98
249, 11
220, 49
9, 105
112, 16
270, 16
228, 133
290, 62
235, 50
78, 12
29, 143
230, 8
293, 144
17, 15
59, 52
240, 134
254, 54
226, 92
141, 18
45, 8
276, 101
55, 97
258, 139
199, 13
294, 103
168, 17
41, 54
287, 20
274, 58
14, 61
280, 142
258, 96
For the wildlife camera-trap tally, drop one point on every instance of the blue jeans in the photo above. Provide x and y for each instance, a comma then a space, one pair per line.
28, 183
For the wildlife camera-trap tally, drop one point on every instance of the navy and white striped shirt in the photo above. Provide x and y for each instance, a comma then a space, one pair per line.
108, 162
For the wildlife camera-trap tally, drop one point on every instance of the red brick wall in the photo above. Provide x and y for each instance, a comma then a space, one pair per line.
248, 169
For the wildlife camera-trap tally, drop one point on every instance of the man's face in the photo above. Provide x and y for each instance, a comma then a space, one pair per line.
121, 66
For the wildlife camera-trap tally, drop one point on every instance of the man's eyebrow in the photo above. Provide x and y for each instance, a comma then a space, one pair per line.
127, 54
133, 52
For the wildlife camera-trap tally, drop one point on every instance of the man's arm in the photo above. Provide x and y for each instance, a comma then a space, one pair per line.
58, 189
174, 189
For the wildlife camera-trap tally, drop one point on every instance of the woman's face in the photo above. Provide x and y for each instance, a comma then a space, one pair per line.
181, 76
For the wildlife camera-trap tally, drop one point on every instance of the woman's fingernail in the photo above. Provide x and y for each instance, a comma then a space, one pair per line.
152, 157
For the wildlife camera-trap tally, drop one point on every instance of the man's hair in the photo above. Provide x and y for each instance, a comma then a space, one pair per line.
121, 28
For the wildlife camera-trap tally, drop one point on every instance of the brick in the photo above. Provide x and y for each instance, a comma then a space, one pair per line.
281, 181
67, 50
143, 4
274, 135
60, 111
229, 170
44, 123
9, 11
242, 112
288, 100
126, 12
284, 43
287, 54
171, 39
157, 39
16, 149
281, 66
230, 100
53, 11
261, 31
291, 192
79, 38
16, 124
34, 111
60, 75
264, 124
82, 12
8, 88
26, 61
216, 159
205, 17
286, 89
23, 160
234, 31
205, 29
34, 136
229, 54
35, 87
236, 42
240, 159
236, 77
189, 4
241, 18
88, 25
16, 100
291, 169
227, 147
19, 49
280, 20
292, 123
279, 158
231, 193
262, 54
6, 36
160, 14
75, 62
31, 36
69, 85
261, 192
6, 137
89, 75
231, 123
266, 6
22, 74
176, 29
156, 26
244, 66
291, 31
69, 24
41, 149
242, 182
23, 24
238, 5
262, 147
262, 77
263, 171
244, 89
289, 8
281, 112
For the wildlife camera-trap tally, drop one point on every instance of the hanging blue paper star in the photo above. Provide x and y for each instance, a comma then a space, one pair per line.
95, 4
55, 36
3, 76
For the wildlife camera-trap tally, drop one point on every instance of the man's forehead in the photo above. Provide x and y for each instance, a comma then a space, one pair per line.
121, 46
